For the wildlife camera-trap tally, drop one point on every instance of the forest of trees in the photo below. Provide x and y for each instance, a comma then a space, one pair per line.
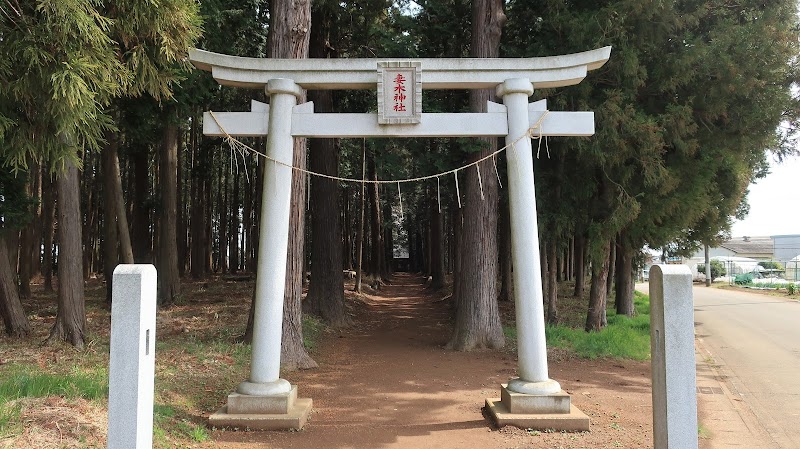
104, 162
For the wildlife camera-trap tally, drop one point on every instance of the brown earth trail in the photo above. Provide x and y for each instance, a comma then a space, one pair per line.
387, 382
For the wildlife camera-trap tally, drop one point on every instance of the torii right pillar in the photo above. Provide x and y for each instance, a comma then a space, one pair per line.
532, 400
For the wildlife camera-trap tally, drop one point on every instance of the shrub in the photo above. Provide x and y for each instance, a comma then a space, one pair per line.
717, 269
744, 279
771, 265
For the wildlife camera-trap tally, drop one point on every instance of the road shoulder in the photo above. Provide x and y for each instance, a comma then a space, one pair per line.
725, 419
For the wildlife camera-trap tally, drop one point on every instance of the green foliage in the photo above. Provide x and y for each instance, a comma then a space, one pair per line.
624, 337
717, 269
153, 40
15, 204
691, 98
312, 331
59, 74
791, 288
9, 419
66, 60
771, 265
168, 423
743, 279
21, 381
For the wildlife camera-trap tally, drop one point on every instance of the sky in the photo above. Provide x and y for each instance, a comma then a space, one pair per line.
774, 203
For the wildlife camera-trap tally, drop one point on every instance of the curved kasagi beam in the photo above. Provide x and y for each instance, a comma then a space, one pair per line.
440, 73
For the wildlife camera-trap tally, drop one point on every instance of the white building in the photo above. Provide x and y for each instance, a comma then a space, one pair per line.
786, 248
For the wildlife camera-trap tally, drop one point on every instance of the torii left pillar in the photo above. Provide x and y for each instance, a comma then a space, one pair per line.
265, 401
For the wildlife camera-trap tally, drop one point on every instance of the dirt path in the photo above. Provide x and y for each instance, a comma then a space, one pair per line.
387, 382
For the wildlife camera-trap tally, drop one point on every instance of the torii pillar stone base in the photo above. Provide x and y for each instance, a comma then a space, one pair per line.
539, 412
278, 412
532, 400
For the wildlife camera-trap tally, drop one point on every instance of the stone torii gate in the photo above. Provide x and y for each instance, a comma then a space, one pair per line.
533, 400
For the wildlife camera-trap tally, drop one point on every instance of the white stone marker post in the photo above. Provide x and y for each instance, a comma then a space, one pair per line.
532, 400
131, 369
265, 401
672, 357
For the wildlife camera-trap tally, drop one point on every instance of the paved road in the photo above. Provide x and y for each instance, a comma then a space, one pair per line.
754, 341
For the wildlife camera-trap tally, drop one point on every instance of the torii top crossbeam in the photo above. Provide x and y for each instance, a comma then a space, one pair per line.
443, 73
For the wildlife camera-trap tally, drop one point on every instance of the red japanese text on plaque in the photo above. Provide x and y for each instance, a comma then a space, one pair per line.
399, 92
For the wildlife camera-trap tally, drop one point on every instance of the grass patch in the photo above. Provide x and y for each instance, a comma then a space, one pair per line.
29, 381
619, 341
312, 331
21, 381
703, 433
170, 426
9, 419
624, 337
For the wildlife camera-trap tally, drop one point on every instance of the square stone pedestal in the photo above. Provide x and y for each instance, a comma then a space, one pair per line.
527, 411
279, 412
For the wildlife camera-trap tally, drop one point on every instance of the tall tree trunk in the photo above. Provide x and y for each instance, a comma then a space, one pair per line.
624, 279
36, 249
208, 239
48, 229
182, 248
376, 245
257, 209
544, 268
552, 282
12, 242
141, 211
579, 258
412, 251
595, 316
88, 199
477, 322
169, 282
110, 237
293, 353
504, 237
437, 242
347, 235
199, 215
290, 22
708, 266
223, 217
362, 218
458, 227
247, 220
426, 255
451, 243
11, 311
27, 244
570, 257
233, 229
70, 321
387, 256
117, 240
422, 260
612, 268
114, 199
326, 286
